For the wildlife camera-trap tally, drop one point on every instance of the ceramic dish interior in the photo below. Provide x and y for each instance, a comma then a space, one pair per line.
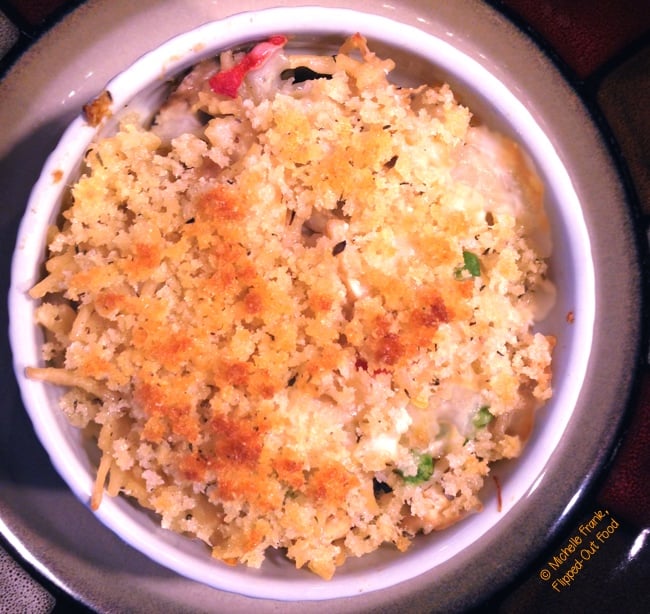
419, 57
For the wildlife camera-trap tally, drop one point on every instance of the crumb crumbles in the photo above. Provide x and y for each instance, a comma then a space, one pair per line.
307, 323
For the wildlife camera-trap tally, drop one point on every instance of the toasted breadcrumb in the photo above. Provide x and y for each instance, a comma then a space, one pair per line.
309, 326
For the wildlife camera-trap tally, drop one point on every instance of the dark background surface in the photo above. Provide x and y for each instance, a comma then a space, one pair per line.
603, 49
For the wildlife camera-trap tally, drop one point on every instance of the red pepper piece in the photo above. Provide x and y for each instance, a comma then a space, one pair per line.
361, 364
228, 82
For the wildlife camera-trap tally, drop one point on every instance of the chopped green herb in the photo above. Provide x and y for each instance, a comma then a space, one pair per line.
425, 470
483, 417
471, 264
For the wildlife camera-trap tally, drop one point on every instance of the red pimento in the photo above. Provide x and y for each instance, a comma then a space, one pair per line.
361, 364
228, 82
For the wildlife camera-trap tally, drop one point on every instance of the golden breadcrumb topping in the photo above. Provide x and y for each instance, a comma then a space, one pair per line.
307, 324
